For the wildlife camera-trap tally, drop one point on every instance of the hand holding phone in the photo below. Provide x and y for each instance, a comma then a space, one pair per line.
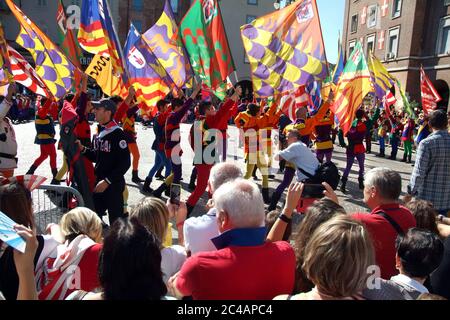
313, 191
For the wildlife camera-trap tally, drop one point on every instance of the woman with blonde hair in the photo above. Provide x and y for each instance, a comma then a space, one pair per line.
73, 265
154, 214
337, 261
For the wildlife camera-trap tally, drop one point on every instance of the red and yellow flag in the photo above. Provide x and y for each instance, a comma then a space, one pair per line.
353, 86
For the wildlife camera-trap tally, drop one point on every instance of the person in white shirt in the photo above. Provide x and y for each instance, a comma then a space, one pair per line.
198, 231
300, 155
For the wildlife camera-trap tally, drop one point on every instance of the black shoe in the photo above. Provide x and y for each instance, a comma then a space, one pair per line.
265, 194
271, 176
361, 183
255, 178
31, 170
158, 192
135, 177
159, 177
274, 201
146, 188
343, 185
167, 191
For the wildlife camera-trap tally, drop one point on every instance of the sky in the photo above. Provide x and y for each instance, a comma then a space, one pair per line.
332, 18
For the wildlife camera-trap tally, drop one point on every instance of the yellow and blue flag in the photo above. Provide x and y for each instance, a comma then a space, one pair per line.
165, 44
285, 49
52, 65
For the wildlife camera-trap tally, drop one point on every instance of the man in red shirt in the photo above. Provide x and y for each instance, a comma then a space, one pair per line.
205, 142
244, 267
388, 219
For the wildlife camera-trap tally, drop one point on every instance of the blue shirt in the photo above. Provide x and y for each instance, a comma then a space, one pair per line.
430, 179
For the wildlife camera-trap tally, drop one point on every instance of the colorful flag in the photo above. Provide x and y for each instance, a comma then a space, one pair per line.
166, 45
291, 101
313, 89
340, 64
66, 37
430, 96
406, 105
148, 77
5, 65
354, 84
97, 34
204, 37
285, 49
381, 78
101, 70
24, 74
51, 64
389, 99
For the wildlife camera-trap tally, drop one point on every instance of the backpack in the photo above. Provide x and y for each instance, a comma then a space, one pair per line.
327, 172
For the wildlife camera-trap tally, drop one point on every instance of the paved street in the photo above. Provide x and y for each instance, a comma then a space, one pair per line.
352, 202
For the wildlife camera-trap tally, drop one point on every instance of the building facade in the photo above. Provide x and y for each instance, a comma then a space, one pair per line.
404, 35
144, 14
236, 13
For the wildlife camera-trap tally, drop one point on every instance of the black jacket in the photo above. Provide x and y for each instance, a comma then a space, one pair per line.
110, 154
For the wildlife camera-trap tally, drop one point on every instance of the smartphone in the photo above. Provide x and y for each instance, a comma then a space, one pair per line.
175, 193
313, 191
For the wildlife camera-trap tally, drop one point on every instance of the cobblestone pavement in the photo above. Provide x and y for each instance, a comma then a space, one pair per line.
352, 201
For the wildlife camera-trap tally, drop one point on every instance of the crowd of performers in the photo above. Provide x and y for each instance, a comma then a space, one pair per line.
105, 158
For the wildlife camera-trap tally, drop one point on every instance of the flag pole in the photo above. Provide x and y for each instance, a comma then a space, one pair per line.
323, 43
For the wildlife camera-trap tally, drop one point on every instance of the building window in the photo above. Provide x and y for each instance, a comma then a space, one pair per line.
351, 47
373, 15
354, 26
42, 3
370, 44
249, 19
397, 8
174, 5
392, 47
444, 36
137, 5
138, 25
252, 2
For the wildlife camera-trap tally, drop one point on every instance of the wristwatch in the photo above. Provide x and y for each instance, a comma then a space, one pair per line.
284, 218
440, 218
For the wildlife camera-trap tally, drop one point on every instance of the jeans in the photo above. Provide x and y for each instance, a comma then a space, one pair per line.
382, 145
160, 161
394, 144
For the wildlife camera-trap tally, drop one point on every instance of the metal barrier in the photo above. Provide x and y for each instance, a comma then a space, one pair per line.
51, 202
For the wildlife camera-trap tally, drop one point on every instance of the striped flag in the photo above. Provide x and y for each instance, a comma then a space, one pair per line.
52, 65
313, 89
166, 45
148, 77
24, 74
285, 49
97, 34
294, 100
354, 85
430, 96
